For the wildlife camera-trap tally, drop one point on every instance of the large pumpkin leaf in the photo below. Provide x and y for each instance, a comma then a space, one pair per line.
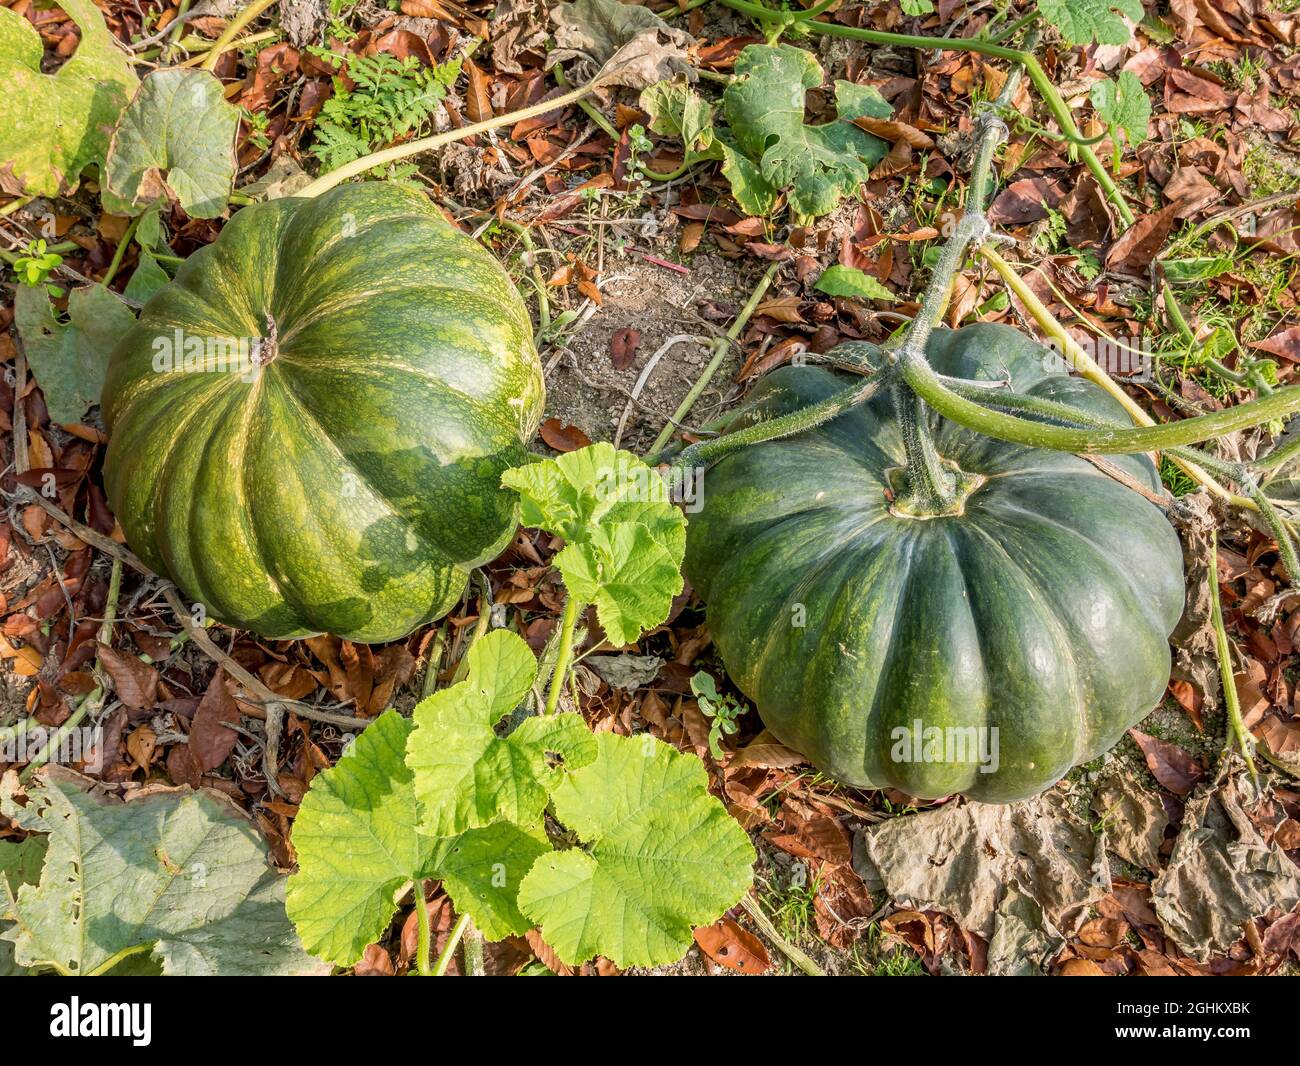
358, 846
52, 126
765, 111
466, 776
625, 539
176, 136
69, 359
182, 874
1085, 21
660, 856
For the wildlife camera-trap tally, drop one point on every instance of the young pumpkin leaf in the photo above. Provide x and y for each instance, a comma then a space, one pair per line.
52, 126
465, 775
627, 573
177, 137
1123, 104
764, 107
624, 538
182, 874
69, 359
660, 856
1085, 21
677, 110
358, 844
841, 280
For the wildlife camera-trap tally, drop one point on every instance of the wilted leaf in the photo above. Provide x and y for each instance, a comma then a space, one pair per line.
1221, 873
182, 871
765, 112
134, 681
210, 739
177, 136
52, 126
1174, 767
727, 944
69, 359
630, 44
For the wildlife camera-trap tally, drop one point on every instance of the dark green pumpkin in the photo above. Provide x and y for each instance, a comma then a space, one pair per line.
348, 484
1042, 608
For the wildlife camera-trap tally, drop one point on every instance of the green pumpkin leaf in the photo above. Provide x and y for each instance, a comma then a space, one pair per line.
764, 106
177, 137
841, 280
1123, 105
625, 539
69, 360
182, 874
52, 126
1085, 21
660, 856
677, 110
753, 192
359, 845
465, 775
481, 870
627, 573
148, 278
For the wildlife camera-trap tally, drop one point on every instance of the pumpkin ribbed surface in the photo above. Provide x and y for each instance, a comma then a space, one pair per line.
347, 478
1041, 610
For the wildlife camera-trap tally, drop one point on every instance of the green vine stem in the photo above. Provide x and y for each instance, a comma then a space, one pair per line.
1065, 414
721, 346
423, 939
1224, 651
930, 488
1285, 451
563, 651
120, 251
919, 375
109, 963
1089, 370
710, 451
449, 948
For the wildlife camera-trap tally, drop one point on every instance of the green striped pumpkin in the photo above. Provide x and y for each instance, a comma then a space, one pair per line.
346, 477
873, 642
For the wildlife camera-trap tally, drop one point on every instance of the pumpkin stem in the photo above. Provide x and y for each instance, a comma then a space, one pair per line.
929, 488
268, 345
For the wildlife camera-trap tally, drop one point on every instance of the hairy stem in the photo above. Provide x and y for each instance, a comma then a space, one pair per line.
919, 375
1235, 722
423, 939
563, 651
789, 425
449, 949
